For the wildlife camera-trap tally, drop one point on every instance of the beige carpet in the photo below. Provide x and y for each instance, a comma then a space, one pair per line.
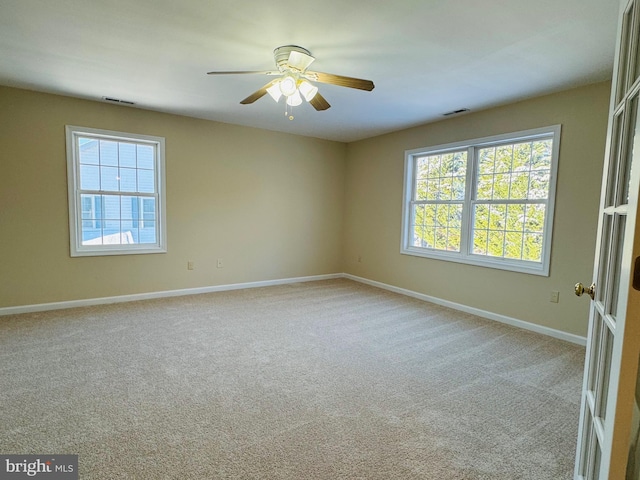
321, 380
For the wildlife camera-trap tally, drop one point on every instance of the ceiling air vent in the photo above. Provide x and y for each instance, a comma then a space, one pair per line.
117, 100
455, 112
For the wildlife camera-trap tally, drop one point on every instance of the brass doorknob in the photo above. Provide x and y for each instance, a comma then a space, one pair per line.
591, 291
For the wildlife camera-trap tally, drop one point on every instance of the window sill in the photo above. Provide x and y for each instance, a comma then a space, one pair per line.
530, 268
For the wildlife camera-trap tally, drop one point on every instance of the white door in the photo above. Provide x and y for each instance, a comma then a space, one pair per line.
613, 343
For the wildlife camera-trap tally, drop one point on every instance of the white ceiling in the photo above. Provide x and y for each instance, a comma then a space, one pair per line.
426, 57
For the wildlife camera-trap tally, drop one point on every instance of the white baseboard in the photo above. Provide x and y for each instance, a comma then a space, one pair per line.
569, 337
267, 283
169, 293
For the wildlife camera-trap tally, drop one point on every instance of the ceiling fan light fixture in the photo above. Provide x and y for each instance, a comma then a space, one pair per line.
274, 91
288, 85
292, 77
295, 99
307, 90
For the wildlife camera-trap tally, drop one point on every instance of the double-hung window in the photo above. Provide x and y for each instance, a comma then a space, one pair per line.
486, 201
116, 192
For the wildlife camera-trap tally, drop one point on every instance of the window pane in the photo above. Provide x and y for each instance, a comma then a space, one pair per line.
422, 167
481, 229
481, 217
602, 394
148, 209
613, 283
504, 155
87, 206
91, 215
459, 164
91, 237
632, 142
539, 184
625, 53
499, 230
435, 226
519, 186
88, 149
497, 217
454, 228
446, 188
513, 245
515, 217
532, 247
129, 208
108, 153
496, 244
128, 179
541, 154
597, 460
127, 220
442, 215
148, 233
145, 156
433, 189
89, 177
521, 156
453, 240
111, 207
458, 187
521, 171
418, 236
480, 242
507, 209
486, 160
485, 187
501, 186
109, 179
440, 239
441, 168
440, 178
616, 145
127, 155
419, 221
114, 173
146, 182
111, 225
534, 220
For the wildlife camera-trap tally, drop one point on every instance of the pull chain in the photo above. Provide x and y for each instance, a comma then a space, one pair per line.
287, 112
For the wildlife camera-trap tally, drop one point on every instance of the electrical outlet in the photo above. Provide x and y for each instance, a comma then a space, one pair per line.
555, 297
359, 259
220, 263
189, 265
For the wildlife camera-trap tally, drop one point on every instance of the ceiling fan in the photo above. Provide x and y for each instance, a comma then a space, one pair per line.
294, 80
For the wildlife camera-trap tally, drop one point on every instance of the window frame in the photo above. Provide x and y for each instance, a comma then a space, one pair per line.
77, 249
466, 255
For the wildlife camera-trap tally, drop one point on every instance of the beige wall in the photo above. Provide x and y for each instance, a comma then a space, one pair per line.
374, 204
278, 206
269, 204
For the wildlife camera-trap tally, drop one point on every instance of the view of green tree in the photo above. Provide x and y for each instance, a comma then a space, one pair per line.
508, 216
440, 187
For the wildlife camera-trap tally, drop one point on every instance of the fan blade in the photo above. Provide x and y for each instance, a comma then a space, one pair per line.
266, 72
299, 60
319, 103
258, 94
340, 80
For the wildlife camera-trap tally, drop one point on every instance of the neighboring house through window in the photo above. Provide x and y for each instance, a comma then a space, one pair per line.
485, 202
116, 192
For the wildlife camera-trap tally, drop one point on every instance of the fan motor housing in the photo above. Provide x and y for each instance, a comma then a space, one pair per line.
281, 55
